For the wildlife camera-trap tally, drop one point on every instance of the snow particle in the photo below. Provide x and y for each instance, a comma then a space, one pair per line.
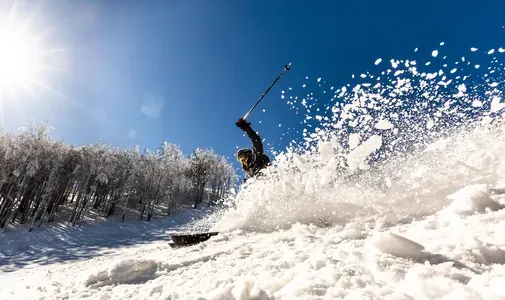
477, 103
383, 124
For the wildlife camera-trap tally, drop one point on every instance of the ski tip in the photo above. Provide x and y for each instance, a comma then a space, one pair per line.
288, 66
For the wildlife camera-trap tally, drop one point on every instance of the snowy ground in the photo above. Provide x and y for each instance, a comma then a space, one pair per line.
454, 254
60, 243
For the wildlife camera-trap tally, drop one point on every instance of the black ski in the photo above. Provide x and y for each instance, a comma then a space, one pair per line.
185, 240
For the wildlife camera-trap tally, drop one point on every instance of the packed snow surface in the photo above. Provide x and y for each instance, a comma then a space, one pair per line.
397, 193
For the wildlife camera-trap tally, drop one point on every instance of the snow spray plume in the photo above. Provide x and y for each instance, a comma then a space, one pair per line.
409, 135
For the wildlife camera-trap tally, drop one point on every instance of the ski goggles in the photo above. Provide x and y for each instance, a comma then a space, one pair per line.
242, 158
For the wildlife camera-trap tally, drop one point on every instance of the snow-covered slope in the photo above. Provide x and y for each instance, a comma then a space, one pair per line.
397, 193
453, 254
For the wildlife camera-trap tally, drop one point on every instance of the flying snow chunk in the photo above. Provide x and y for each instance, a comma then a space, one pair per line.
415, 50
378, 61
354, 139
264, 110
384, 124
434, 53
319, 79
494, 84
356, 157
496, 105
473, 49
490, 51
430, 124
394, 63
501, 50
477, 66
477, 103
442, 43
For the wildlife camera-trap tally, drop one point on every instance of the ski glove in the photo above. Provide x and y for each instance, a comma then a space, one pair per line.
243, 124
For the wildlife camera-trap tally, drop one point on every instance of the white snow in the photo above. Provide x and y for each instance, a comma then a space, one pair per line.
477, 103
434, 53
360, 153
496, 105
354, 139
384, 124
378, 61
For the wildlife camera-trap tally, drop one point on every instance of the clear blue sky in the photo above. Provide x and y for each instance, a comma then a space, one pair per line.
140, 72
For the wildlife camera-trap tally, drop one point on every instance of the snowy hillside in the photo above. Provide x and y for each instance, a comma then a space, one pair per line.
397, 192
452, 254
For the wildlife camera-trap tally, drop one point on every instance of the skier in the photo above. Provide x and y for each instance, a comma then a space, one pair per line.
253, 161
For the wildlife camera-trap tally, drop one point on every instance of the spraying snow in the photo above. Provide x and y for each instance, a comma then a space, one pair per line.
367, 168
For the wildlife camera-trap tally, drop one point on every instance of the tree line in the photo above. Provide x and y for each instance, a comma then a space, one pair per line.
40, 176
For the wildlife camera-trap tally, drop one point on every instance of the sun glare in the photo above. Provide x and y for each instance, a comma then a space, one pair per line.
24, 58
18, 59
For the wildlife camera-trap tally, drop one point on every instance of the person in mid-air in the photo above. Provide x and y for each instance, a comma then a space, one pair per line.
253, 161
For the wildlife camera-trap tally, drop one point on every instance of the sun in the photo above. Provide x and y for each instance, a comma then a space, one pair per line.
24, 57
19, 64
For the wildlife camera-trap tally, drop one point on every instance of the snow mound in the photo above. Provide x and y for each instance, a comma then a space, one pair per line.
471, 199
398, 245
129, 271
244, 289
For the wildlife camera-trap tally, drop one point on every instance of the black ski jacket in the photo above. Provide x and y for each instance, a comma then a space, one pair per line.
259, 159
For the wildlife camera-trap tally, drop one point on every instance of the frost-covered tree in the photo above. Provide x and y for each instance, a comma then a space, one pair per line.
40, 177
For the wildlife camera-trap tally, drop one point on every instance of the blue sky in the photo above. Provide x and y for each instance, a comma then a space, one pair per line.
140, 72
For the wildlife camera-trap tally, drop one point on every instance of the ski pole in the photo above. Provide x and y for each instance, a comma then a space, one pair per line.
286, 68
